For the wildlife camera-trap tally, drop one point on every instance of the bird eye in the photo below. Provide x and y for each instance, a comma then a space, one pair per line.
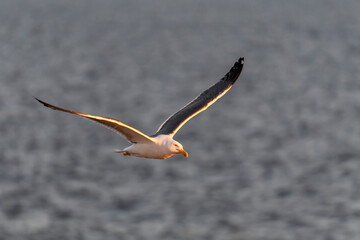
176, 145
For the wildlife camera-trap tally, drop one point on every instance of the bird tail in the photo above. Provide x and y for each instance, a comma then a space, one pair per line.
125, 153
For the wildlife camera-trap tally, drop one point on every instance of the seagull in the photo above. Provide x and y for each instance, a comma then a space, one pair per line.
161, 145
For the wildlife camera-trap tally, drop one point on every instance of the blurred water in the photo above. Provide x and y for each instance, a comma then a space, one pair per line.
276, 158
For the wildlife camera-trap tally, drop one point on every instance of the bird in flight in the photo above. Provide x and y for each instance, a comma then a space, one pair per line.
161, 145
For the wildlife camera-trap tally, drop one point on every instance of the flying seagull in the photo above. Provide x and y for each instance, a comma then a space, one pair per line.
161, 145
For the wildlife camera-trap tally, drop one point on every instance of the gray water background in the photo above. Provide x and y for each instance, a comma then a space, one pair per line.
278, 157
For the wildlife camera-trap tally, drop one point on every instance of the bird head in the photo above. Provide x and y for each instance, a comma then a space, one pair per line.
177, 148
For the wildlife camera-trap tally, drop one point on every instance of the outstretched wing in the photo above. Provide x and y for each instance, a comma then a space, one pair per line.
202, 102
131, 134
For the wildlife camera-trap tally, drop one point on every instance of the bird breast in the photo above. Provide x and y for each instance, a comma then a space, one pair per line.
152, 150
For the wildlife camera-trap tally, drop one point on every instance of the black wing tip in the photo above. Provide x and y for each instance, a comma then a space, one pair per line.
46, 104
241, 60
238, 65
42, 102
235, 71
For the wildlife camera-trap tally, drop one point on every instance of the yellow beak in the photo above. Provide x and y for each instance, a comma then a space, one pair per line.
183, 152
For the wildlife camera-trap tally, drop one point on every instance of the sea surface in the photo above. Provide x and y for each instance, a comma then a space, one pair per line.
277, 158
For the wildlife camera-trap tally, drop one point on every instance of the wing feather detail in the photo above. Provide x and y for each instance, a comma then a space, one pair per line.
131, 134
201, 102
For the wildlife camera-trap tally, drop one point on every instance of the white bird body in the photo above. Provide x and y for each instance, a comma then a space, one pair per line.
161, 145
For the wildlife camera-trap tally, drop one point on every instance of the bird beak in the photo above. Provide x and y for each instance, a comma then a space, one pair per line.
183, 152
